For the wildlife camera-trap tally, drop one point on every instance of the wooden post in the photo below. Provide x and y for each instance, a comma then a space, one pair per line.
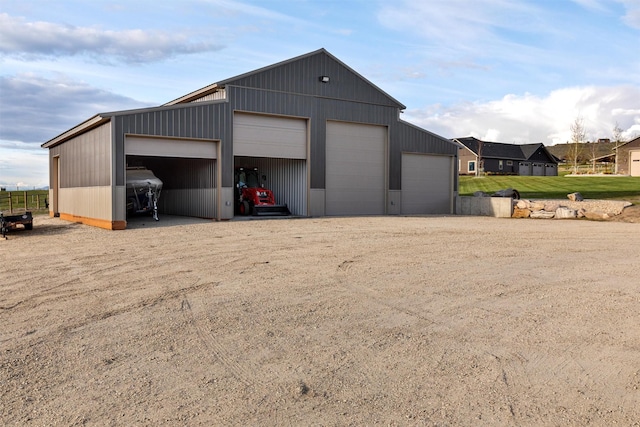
10, 202
25, 201
37, 202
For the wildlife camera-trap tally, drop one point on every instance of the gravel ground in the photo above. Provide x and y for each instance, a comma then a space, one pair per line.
461, 321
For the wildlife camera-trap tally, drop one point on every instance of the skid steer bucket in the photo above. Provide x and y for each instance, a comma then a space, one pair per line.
265, 210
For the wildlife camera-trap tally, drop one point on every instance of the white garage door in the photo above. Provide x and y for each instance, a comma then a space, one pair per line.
634, 157
138, 145
427, 184
355, 169
256, 135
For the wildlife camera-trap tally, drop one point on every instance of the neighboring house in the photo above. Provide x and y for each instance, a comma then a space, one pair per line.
628, 158
507, 159
329, 141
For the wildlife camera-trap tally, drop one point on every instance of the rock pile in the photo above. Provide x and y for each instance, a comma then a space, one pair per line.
575, 207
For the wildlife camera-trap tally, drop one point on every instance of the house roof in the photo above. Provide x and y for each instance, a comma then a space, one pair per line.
501, 150
634, 140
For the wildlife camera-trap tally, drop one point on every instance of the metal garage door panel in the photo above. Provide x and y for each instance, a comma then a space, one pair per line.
169, 147
355, 169
426, 184
256, 135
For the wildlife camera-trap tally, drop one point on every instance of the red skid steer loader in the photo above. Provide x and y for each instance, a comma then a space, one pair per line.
252, 198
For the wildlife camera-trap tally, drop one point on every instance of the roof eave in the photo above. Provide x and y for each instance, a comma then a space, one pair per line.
214, 87
88, 124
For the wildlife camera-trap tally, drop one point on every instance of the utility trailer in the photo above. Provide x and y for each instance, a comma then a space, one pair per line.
13, 220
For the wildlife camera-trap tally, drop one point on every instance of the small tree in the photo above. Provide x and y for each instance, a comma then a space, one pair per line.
618, 140
577, 140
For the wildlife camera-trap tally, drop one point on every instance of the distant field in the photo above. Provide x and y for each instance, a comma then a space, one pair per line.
18, 200
556, 187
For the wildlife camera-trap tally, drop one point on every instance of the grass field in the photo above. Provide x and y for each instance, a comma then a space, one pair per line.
18, 200
557, 187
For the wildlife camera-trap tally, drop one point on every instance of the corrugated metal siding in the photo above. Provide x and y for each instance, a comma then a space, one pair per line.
411, 139
198, 202
302, 76
89, 202
198, 120
85, 161
188, 184
286, 177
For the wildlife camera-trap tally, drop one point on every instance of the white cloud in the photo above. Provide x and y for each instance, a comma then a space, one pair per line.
44, 39
527, 118
24, 168
39, 108
632, 16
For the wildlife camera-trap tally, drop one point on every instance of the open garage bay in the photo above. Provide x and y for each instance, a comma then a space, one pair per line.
330, 321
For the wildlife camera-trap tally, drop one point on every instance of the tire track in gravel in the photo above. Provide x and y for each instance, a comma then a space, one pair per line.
345, 266
212, 346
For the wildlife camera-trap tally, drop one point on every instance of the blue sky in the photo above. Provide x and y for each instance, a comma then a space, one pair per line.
514, 71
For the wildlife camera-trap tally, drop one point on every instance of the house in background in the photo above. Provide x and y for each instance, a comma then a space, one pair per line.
628, 158
505, 159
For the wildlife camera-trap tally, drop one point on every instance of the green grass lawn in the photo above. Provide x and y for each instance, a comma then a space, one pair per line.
556, 187
18, 200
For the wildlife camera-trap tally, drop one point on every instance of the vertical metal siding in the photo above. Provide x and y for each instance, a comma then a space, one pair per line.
86, 159
286, 177
402, 136
189, 185
197, 120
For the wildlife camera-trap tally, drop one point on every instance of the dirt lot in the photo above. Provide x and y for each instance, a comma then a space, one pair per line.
341, 321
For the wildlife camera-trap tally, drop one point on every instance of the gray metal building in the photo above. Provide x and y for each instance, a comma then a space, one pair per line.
329, 141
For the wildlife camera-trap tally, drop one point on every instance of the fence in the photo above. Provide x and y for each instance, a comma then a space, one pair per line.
19, 201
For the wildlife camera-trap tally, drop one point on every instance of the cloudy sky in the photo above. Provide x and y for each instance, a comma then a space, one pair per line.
514, 71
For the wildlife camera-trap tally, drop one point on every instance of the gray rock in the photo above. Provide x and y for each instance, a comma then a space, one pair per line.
542, 214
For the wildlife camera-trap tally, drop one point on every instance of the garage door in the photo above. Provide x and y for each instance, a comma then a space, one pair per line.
634, 157
256, 135
355, 169
427, 184
138, 145
187, 168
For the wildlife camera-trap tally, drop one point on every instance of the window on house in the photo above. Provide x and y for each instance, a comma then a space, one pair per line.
471, 166
509, 162
500, 165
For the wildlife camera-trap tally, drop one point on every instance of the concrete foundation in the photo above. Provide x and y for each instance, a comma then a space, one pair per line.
499, 207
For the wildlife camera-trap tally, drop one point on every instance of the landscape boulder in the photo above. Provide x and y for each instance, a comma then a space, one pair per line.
536, 206
520, 213
522, 204
563, 212
542, 214
596, 215
551, 207
575, 197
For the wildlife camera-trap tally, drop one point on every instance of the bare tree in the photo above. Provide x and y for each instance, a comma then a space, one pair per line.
480, 166
577, 140
618, 140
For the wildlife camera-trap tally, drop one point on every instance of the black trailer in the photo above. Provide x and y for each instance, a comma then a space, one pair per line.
12, 221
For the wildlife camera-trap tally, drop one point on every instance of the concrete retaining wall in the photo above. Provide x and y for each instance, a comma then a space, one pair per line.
499, 207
